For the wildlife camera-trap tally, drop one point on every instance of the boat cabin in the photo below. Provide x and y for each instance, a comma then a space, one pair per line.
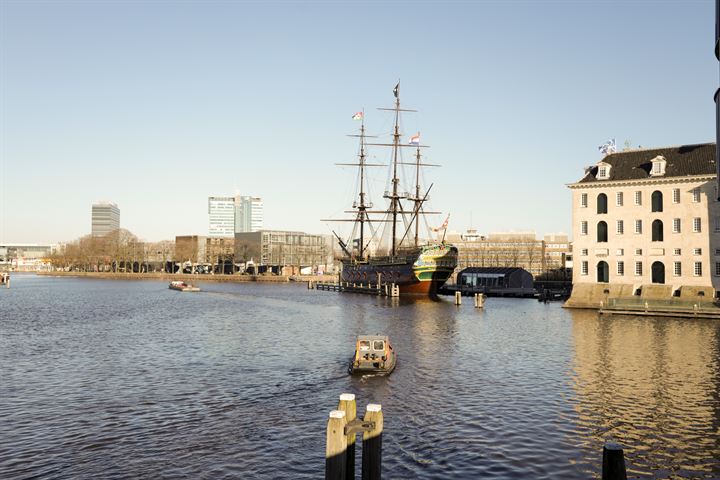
373, 354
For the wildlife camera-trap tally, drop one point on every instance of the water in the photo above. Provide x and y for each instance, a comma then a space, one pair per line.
113, 379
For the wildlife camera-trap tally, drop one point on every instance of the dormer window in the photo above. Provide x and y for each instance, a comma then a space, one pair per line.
658, 166
603, 172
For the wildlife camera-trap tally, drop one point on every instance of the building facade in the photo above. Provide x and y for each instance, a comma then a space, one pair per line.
105, 218
249, 215
510, 249
280, 248
221, 211
647, 221
25, 256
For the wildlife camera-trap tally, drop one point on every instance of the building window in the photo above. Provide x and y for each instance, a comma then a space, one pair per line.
620, 252
696, 195
698, 269
638, 269
717, 269
677, 251
620, 227
583, 200
584, 267
602, 235
697, 251
656, 201
717, 224
621, 268
638, 198
677, 269
638, 251
717, 252
583, 228
676, 195
697, 225
657, 231
602, 203
619, 199
603, 172
584, 252
676, 225
638, 226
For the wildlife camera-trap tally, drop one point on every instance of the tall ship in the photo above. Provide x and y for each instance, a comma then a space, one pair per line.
385, 245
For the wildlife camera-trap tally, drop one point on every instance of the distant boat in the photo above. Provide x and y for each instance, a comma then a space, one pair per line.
416, 266
181, 286
374, 354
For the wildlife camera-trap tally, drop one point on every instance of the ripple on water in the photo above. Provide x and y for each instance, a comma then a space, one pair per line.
111, 379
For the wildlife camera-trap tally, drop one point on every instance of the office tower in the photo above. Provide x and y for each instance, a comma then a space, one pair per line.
105, 218
248, 214
222, 216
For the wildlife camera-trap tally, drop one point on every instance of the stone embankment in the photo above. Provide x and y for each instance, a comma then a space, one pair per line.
194, 278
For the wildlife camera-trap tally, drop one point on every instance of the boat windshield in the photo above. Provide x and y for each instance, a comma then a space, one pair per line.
364, 345
378, 345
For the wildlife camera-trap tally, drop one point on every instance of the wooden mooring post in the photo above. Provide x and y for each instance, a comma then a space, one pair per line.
372, 443
613, 465
458, 298
336, 446
347, 405
479, 300
342, 428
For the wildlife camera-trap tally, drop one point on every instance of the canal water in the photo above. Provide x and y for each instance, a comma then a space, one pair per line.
113, 379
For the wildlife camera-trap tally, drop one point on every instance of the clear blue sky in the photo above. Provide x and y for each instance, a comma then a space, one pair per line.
157, 105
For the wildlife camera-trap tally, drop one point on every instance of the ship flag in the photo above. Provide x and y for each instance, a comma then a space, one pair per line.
443, 226
415, 139
357, 116
608, 147
396, 90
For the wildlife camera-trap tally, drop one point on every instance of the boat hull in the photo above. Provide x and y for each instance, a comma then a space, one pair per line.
420, 272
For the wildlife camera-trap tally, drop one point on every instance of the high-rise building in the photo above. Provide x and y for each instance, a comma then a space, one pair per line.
105, 218
222, 216
248, 214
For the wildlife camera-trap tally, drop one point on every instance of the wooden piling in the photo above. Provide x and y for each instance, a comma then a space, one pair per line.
479, 300
336, 447
372, 444
347, 405
613, 466
458, 298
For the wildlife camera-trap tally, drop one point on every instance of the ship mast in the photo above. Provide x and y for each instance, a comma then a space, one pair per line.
395, 202
417, 200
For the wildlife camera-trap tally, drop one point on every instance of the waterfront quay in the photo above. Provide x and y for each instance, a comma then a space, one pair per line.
117, 379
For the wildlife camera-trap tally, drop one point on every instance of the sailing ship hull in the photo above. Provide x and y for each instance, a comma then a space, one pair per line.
418, 272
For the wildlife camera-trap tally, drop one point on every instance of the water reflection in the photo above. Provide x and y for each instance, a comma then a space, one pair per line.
651, 384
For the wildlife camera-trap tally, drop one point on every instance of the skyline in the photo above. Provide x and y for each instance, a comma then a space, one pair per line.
156, 107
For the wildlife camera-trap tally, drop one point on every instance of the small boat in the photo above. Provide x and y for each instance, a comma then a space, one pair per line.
183, 286
374, 354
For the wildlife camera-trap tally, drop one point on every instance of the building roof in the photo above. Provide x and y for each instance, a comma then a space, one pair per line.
636, 164
497, 270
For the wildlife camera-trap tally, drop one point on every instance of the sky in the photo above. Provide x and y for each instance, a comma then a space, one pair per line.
158, 105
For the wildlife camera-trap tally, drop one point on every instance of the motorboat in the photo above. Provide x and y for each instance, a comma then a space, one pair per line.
183, 286
374, 354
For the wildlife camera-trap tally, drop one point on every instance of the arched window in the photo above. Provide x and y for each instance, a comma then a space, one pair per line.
602, 232
603, 272
657, 231
602, 203
658, 272
657, 201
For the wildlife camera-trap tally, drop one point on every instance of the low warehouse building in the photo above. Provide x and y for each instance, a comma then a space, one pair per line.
496, 281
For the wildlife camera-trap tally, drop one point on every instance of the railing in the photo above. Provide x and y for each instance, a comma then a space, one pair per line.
660, 304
